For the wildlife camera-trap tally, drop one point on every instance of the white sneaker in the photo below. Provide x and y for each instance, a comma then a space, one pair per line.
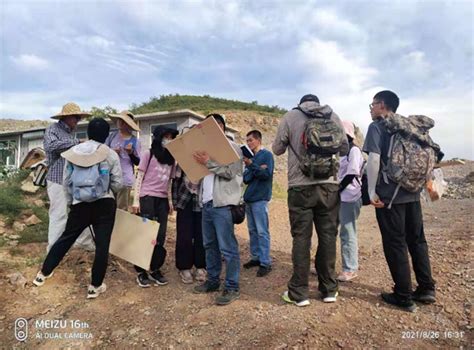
40, 278
186, 276
330, 297
93, 292
287, 299
201, 275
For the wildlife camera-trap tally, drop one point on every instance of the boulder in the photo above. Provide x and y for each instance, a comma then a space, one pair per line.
18, 226
17, 279
28, 187
32, 220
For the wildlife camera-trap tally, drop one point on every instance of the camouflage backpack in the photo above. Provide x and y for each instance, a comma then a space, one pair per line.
322, 139
412, 153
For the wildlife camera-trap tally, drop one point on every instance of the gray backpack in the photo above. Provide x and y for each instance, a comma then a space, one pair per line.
322, 139
88, 184
412, 153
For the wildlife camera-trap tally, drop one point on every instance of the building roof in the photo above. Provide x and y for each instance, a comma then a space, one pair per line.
138, 117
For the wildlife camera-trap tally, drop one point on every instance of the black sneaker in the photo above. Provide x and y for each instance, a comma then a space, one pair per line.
251, 263
424, 296
143, 280
394, 299
263, 270
227, 297
206, 287
158, 278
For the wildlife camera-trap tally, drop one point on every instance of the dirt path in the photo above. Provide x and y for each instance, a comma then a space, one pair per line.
172, 316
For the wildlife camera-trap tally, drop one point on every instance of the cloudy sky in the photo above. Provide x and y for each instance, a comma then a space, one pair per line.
100, 53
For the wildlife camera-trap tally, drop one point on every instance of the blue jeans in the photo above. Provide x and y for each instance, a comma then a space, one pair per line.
219, 240
257, 221
348, 215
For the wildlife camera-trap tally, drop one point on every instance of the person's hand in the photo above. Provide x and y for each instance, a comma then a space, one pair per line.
263, 166
247, 161
135, 209
171, 209
202, 157
128, 148
376, 202
117, 149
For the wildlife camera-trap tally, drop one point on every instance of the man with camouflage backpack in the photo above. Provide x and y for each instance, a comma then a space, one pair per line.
315, 137
401, 157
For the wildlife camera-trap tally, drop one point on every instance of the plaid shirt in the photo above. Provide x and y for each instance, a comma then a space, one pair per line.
181, 195
57, 139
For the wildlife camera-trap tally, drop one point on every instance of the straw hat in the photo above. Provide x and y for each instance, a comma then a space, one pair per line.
71, 109
348, 128
86, 159
127, 117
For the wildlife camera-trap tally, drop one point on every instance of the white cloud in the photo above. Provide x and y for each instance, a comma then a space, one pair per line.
333, 24
415, 65
95, 41
327, 60
30, 62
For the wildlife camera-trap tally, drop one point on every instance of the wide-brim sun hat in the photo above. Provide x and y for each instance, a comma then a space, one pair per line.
348, 128
86, 160
69, 109
127, 117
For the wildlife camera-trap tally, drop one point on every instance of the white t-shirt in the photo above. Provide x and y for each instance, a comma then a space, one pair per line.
207, 188
351, 165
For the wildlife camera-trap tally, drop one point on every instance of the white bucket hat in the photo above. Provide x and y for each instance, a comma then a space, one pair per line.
75, 156
127, 117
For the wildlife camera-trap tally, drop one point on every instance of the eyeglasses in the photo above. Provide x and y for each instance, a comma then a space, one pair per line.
374, 103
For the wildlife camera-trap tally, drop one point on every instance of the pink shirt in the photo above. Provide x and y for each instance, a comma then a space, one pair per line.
351, 165
157, 177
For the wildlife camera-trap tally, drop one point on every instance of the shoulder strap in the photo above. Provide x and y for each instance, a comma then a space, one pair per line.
149, 160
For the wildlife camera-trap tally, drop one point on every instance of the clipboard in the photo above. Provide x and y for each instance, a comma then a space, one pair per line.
205, 136
133, 238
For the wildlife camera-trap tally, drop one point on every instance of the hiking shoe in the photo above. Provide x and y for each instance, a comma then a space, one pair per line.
143, 280
286, 299
346, 276
227, 297
40, 278
424, 296
158, 278
330, 297
263, 270
201, 275
206, 287
251, 263
186, 276
93, 292
395, 300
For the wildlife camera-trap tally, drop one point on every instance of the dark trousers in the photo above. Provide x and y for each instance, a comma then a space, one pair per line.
155, 208
189, 246
101, 216
402, 228
318, 205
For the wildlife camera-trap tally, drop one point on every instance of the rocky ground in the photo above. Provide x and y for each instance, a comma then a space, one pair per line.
172, 316
127, 316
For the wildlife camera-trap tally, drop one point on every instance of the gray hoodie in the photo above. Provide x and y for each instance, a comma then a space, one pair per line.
290, 130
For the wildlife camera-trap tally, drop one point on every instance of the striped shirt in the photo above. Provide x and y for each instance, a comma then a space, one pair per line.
57, 139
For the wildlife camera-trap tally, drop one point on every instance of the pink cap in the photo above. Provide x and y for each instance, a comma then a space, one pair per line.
348, 128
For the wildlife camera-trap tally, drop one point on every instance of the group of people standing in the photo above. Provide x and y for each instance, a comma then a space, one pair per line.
205, 236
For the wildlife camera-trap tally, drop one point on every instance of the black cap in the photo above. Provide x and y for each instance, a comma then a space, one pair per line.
309, 97
98, 130
162, 130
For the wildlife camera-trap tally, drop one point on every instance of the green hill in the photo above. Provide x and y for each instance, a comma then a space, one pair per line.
204, 104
